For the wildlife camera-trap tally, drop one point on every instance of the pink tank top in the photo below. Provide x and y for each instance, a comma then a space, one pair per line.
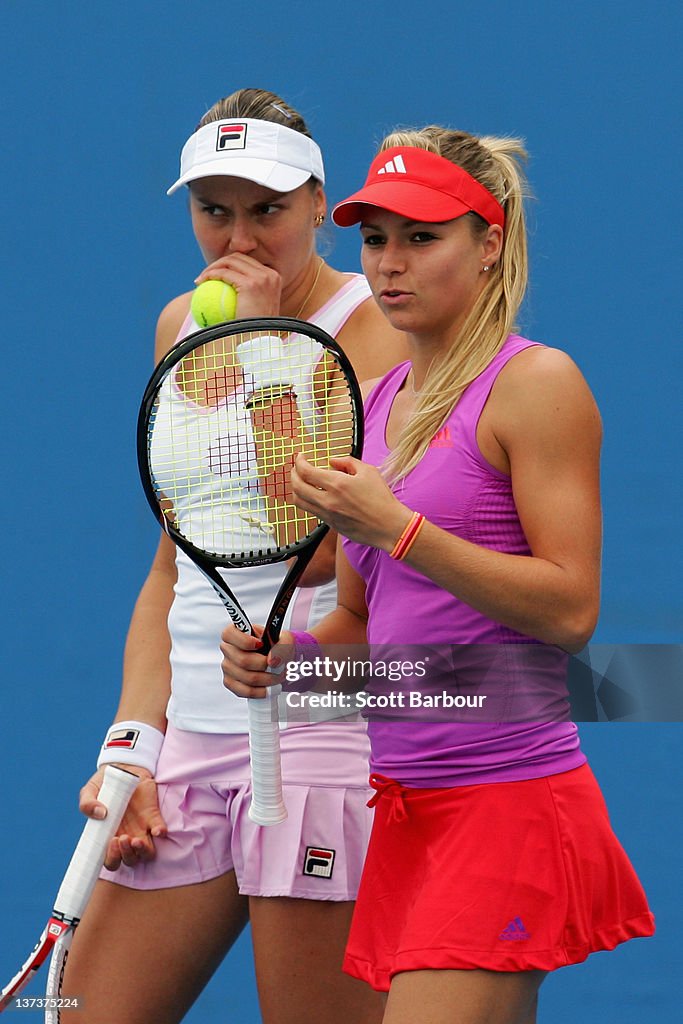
523, 729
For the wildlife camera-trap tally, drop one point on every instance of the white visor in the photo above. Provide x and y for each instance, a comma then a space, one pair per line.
261, 151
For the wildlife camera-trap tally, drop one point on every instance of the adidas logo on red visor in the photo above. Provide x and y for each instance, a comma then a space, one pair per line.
395, 166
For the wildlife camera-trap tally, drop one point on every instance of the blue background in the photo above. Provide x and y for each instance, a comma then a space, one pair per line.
98, 99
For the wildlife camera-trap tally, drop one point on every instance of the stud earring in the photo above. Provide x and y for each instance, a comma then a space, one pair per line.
320, 219
486, 269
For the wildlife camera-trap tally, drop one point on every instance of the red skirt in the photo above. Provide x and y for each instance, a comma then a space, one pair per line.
512, 876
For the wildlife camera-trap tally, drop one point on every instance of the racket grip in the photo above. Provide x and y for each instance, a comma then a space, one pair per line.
267, 804
88, 857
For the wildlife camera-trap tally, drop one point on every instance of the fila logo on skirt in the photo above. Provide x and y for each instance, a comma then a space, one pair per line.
318, 862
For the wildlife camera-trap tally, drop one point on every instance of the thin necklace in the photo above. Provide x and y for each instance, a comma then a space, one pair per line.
412, 379
312, 289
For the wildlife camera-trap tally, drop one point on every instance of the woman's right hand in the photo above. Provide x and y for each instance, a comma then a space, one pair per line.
259, 288
245, 669
141, 824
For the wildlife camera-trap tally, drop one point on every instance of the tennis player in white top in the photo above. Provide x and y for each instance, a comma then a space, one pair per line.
188, 868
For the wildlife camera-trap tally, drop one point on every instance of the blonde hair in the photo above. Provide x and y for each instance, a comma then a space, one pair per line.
496, 164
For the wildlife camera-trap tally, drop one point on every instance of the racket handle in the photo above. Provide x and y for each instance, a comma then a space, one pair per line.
88, 857
267, 804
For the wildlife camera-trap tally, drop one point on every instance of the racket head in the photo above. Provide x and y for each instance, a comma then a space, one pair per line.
77, 885
55, 931
221, 420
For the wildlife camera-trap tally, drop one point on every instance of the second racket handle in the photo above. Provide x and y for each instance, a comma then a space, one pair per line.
88, 857
267, 803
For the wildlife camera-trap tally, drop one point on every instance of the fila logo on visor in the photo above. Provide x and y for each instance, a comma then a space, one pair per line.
231, 136
395, 166
318, 862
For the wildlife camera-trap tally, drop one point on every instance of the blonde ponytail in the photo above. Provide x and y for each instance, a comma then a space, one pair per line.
496, 164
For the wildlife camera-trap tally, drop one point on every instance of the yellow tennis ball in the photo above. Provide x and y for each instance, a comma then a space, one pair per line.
213, 302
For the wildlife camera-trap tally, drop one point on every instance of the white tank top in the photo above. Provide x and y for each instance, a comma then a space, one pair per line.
199, 702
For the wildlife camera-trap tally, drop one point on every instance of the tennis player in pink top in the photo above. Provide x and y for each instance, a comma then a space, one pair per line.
473, 520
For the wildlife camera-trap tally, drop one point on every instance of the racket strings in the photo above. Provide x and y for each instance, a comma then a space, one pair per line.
226, 426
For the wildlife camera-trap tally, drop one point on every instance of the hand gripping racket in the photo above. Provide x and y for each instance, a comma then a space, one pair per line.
74, 892
222, 419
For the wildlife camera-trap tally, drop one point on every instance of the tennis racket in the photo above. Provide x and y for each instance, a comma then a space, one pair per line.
222, 419
74, 893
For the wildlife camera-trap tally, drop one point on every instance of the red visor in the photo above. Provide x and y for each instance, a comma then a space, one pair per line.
421, 186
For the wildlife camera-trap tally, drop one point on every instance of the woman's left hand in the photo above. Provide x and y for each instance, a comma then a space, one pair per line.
351, 497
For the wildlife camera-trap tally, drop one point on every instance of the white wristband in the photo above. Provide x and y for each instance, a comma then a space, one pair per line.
134, 743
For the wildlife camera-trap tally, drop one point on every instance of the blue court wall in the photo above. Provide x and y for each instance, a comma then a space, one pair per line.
97, 101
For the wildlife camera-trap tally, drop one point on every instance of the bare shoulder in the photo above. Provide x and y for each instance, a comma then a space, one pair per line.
543, 374
542, 389
372, 345
169, 323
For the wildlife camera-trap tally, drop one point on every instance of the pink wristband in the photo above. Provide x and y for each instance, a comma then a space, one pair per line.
303, 642
306, 648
